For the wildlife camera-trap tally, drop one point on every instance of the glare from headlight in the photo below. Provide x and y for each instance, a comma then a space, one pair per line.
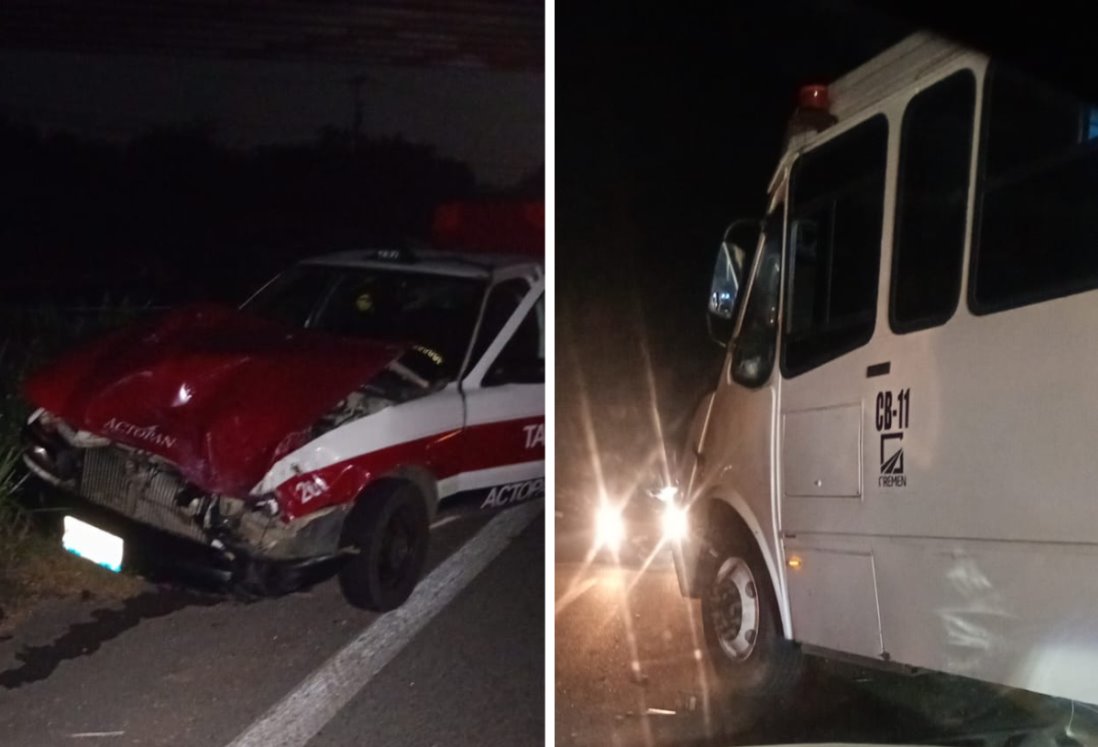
667, 493
609, 528
675, 524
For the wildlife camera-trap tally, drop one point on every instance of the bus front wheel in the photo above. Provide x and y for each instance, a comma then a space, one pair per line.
742, 628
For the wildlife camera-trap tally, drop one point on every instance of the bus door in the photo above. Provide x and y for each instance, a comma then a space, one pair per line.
832, 269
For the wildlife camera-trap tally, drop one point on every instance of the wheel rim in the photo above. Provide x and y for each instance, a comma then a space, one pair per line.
734, 609
398, 549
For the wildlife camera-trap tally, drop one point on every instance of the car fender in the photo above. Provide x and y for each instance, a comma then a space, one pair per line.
415, 439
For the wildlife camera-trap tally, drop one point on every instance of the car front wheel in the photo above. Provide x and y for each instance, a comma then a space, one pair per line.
387, 533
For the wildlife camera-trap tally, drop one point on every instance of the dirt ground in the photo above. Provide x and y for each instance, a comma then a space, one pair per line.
42, 572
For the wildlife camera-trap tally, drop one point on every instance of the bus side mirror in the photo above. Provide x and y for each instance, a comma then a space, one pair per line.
728, 274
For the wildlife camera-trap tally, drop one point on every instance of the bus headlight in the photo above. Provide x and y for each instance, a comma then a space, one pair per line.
675, 523
609, 527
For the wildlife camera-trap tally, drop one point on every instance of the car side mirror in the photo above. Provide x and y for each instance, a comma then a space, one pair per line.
728, 276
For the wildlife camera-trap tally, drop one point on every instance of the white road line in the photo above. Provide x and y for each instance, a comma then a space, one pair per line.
96, 734
298, 717
445, 520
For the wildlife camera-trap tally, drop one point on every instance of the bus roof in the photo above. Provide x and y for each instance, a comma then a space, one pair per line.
895, 69
899, 67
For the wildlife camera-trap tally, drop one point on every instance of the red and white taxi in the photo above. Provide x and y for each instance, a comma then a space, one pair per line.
330, 415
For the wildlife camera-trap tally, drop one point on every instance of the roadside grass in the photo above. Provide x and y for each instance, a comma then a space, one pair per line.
32, 564
15, 524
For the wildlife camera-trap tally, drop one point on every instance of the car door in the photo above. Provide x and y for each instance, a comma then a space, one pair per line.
503, 442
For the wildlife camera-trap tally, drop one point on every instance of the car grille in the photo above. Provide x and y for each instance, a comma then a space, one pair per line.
137, 487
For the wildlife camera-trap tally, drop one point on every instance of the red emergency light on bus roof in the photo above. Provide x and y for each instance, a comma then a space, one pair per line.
813, 97
813, 113
500, 225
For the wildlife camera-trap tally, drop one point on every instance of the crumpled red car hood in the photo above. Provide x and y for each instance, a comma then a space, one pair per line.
219, 393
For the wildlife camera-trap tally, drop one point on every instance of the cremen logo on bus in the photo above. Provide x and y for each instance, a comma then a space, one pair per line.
892, 461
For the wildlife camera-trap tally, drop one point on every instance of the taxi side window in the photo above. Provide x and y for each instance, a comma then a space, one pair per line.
522, 360
503, 299
836, 214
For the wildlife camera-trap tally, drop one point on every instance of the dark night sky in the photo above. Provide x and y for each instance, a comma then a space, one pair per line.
492, 119
669, 126
175, 150
465, 76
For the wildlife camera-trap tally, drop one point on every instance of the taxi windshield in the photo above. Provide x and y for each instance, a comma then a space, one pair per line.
429, 309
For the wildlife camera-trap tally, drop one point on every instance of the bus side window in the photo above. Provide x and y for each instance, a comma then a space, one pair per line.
935, 157
1036, 236
836, 212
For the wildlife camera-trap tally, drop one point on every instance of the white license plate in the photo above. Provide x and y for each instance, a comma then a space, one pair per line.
92, 543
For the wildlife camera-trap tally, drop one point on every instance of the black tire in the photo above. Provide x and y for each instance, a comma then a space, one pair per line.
388, 528
771, 665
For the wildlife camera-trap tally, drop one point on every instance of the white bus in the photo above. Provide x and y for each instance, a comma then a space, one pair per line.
900, 459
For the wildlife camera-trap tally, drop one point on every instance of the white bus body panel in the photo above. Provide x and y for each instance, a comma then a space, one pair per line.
744, 477
984, 563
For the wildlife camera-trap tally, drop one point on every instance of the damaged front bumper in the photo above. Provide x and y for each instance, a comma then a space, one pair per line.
145, 490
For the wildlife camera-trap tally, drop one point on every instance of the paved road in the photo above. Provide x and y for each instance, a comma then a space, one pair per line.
174, 667
629, 672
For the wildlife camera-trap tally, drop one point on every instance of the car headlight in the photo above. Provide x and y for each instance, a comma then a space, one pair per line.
667, 493
676, 524
609, 527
